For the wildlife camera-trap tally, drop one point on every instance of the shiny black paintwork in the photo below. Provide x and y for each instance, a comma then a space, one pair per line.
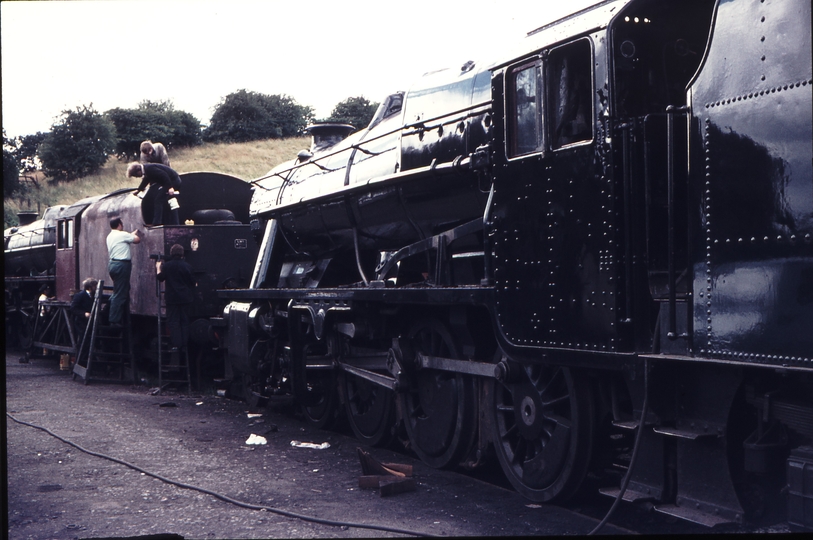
568, 222
638, 197
397, 181
586, 245
752, 179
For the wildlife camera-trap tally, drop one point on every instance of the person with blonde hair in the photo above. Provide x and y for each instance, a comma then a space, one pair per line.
153, 153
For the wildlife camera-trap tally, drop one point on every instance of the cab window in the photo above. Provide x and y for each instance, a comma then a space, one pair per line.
525, 109
570, 101
64, 234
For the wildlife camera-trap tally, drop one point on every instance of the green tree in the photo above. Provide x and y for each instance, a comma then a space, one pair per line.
156, 121
27, 148
356, 111
250, 116
78, 144
11, 171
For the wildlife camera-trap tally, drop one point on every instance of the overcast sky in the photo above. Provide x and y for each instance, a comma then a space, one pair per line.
58, 55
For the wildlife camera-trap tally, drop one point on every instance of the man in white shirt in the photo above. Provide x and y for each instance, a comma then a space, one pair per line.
119, 267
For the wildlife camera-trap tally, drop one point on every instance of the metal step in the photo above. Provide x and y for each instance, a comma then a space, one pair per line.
693, 515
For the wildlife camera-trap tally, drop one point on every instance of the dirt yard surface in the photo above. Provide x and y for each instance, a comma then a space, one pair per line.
58, 491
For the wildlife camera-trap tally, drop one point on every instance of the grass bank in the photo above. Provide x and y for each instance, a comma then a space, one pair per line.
244, 160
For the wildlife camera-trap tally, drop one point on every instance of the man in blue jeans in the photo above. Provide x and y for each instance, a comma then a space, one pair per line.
119, 267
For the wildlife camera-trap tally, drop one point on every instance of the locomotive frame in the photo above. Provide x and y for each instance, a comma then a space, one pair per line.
547, 254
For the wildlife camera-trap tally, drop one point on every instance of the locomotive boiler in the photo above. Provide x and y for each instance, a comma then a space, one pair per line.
598, 245
30, 248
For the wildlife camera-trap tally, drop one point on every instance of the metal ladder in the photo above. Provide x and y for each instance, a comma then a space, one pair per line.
109, 349
173, 365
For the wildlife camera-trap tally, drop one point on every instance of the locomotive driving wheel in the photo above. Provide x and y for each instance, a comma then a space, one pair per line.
255, 385
542, 421
440, 408
313, 374
324, 412
320, 407
370, 410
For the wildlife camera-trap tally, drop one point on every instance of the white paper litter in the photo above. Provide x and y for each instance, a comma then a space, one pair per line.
256, 439
254, 415
315, 446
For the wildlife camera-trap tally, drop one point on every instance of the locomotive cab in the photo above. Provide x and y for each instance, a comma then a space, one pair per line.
656, 49
589, 160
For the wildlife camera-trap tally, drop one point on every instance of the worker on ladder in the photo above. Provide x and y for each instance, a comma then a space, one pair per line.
179, 294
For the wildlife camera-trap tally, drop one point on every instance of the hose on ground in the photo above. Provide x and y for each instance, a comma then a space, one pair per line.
220, 496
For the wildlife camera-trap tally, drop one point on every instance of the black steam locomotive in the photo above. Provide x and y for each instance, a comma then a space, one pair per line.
600, 242
68, 245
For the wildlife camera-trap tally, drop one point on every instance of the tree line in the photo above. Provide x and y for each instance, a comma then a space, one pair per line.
81, 140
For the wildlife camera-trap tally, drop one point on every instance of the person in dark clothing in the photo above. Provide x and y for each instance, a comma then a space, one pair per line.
154, 153
164, 183
82, 303
179, 294
81, 307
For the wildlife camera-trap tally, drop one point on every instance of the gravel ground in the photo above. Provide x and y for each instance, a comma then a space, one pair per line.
57, 491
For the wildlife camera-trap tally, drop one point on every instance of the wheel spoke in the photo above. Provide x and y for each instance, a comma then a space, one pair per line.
370, 411
440, 410
543, 431
548, 385
519, 451
509, 432
555, 401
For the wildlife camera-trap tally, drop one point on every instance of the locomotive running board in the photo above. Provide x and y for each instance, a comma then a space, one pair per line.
468, 295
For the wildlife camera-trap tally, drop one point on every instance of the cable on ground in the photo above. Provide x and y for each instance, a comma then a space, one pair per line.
224, 498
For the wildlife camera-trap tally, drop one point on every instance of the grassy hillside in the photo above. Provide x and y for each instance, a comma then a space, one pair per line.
243, 160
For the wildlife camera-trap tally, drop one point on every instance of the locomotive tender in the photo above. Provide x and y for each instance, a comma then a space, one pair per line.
606, 232
68, 245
